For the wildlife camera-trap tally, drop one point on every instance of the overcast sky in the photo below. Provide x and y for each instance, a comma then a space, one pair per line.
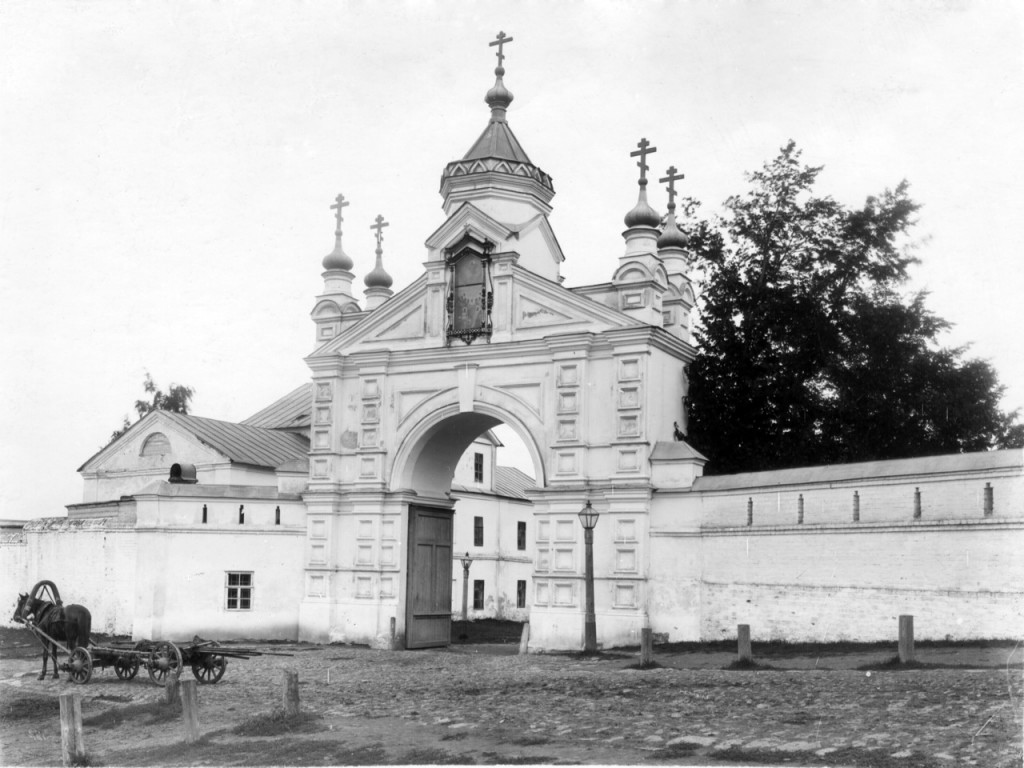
166, 169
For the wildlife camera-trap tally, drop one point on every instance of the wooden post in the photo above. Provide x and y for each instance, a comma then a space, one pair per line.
190, 710
72, 741
906, 639
743, 642
171, 689
646, 647
524, 639
291, 693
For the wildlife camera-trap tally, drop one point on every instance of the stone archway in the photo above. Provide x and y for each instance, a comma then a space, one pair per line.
425, 464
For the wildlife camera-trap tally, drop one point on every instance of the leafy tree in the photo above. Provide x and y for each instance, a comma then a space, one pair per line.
177, 399
809, 353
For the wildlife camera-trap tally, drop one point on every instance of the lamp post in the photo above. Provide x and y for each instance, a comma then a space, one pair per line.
466, 562
588, 517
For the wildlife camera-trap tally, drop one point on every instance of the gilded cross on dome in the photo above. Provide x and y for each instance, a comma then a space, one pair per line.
379, 226
339, 203
644, 150
500, 42
671, 179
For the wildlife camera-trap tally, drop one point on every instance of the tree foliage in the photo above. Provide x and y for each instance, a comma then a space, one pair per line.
177, 399
808, 351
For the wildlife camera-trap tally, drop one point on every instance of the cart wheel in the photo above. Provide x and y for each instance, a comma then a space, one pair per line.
164, 660
209, 667
126, 667
80, 666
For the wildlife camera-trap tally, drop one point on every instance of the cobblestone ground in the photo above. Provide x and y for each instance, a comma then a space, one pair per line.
481, 704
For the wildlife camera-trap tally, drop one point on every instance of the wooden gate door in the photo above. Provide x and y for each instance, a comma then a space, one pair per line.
428, 604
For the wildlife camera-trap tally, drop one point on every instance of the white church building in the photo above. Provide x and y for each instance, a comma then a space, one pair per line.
341, 512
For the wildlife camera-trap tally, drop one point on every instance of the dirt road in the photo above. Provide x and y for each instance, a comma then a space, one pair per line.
484, 705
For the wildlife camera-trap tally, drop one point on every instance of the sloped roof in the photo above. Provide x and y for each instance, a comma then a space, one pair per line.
925, 465
245, 444
509, 481
499, 142
290, 411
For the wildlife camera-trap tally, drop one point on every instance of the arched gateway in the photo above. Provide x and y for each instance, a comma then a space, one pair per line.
591, 378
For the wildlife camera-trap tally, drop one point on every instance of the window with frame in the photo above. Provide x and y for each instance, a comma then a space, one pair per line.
478, 467
520, 535
478, 594
478, 531
520, 594
239, 590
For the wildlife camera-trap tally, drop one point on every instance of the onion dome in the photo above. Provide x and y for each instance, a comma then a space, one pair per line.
642, 214
338, 259
499, 97
671, 236
378, 278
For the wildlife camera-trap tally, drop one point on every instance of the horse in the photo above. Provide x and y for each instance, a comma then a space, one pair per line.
67, 623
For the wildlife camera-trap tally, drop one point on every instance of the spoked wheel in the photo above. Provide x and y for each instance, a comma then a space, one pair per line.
126, 666
80, 666
164, 660
209, 667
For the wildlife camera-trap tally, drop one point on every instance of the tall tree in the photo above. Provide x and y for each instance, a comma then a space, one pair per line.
177, 399
807, 351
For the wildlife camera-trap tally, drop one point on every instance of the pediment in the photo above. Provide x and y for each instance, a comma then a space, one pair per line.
538, 303
402, 317
468, 219
126, 454
408, 324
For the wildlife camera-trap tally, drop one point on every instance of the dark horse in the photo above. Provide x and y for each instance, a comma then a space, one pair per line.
69, 624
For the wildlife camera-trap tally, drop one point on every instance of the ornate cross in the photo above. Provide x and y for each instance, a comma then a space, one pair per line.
645, 150
379, 226
671, 179
339, 203
500, 42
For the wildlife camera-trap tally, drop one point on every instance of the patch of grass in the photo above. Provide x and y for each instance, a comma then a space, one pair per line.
455, 736
278, 723
495, 759
649, 665
150, 713
675, 751
850, 756
528, 740
749, 665
430, 757
108, 697
29, 707
893, 664
282, 751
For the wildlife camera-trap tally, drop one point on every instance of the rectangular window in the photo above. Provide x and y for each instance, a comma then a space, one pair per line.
478, 467
520, 594
478, 595
239, 591
521, 535
478, 531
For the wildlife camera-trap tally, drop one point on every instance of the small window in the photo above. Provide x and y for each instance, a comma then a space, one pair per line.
478, 595
520, 594
478, 531
156, 444
521, 536
239, 591
478, 467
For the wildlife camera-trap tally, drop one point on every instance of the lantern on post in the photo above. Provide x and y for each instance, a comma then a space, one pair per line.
588, 519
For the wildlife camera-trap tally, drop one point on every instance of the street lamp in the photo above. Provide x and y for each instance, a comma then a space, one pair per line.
466, 562
588, 517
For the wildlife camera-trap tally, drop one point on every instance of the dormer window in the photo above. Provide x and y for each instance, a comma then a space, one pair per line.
470, 296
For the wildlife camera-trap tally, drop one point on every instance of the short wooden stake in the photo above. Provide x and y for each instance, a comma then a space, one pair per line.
171, 689
190, 710
291, 693
72, 741
646, 647
743, 642
524, 639
906, 651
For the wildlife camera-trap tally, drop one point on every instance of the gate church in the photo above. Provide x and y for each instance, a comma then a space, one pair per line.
487, 336
328, 516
